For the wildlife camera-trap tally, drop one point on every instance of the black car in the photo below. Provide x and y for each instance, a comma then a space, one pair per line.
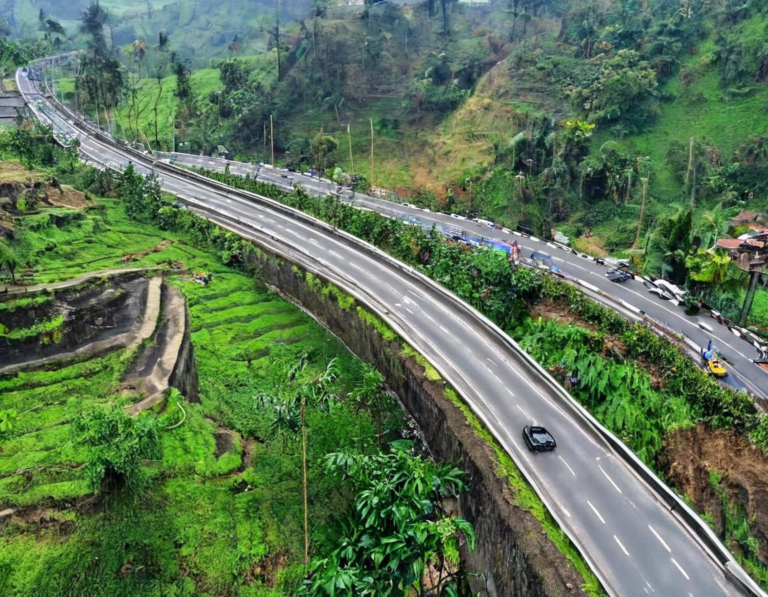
624, 267
538, 439
617, 275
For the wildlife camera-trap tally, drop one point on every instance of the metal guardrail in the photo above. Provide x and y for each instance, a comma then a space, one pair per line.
691, 520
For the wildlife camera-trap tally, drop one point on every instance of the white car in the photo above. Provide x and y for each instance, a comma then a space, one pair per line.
676, 292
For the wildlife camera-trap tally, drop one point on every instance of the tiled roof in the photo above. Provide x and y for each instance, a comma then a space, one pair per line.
729, 243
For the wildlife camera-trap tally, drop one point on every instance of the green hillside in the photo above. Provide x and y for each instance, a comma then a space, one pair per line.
553, 112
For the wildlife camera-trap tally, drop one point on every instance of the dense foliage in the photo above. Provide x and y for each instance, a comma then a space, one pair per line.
117, 446
398, 530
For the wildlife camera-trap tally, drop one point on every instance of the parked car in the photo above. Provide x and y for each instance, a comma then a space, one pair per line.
677, 293
658, 291
617, 275
538, 439
624, 267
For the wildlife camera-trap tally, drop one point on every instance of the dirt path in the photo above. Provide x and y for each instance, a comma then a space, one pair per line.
163, 356
11, 290
151, 313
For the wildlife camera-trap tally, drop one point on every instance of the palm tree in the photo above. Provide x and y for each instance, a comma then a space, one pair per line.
716, 223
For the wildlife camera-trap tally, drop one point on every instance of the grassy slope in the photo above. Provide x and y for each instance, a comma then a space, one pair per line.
197, 532
701, 110
204, 82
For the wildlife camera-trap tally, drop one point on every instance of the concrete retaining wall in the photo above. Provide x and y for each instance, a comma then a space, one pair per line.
513, 557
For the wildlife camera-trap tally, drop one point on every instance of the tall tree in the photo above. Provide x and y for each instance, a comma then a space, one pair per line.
9, 259
101, 75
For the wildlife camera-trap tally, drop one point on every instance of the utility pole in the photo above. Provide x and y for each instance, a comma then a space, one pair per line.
689, 170
371, 151
470, 197
754, 276
644, 180
351, 161
272, 138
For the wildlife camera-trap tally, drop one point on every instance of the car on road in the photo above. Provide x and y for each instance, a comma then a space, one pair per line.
712, 363
623, 266
715, 368
538, 439
677, 293
617, 275
658, 291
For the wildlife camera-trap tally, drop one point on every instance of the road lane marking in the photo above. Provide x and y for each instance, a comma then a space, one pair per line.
409, 311
596, 512
491, 362
680, 568
566, 464
442, 327
664, 543
520, 408
616, 487
624, 549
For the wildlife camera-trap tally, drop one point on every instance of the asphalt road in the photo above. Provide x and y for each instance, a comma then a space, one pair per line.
738, 352
635, 543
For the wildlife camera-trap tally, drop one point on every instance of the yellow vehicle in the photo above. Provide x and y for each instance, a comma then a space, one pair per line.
715, 367
712, 363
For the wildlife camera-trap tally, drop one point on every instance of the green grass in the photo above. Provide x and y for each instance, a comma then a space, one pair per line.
210, 524
701, 110
46, 403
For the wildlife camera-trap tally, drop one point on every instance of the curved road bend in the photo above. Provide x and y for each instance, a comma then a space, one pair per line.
738, 352
635, 543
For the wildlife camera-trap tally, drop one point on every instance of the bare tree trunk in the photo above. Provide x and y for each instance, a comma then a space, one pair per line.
304, 467
371, 181
157, 101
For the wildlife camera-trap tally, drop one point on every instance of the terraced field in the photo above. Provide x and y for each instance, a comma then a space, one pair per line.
223, 514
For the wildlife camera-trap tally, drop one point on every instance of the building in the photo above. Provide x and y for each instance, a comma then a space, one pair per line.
750, 253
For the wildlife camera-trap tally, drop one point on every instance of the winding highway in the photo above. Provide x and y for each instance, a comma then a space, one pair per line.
738, 351
635, 541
